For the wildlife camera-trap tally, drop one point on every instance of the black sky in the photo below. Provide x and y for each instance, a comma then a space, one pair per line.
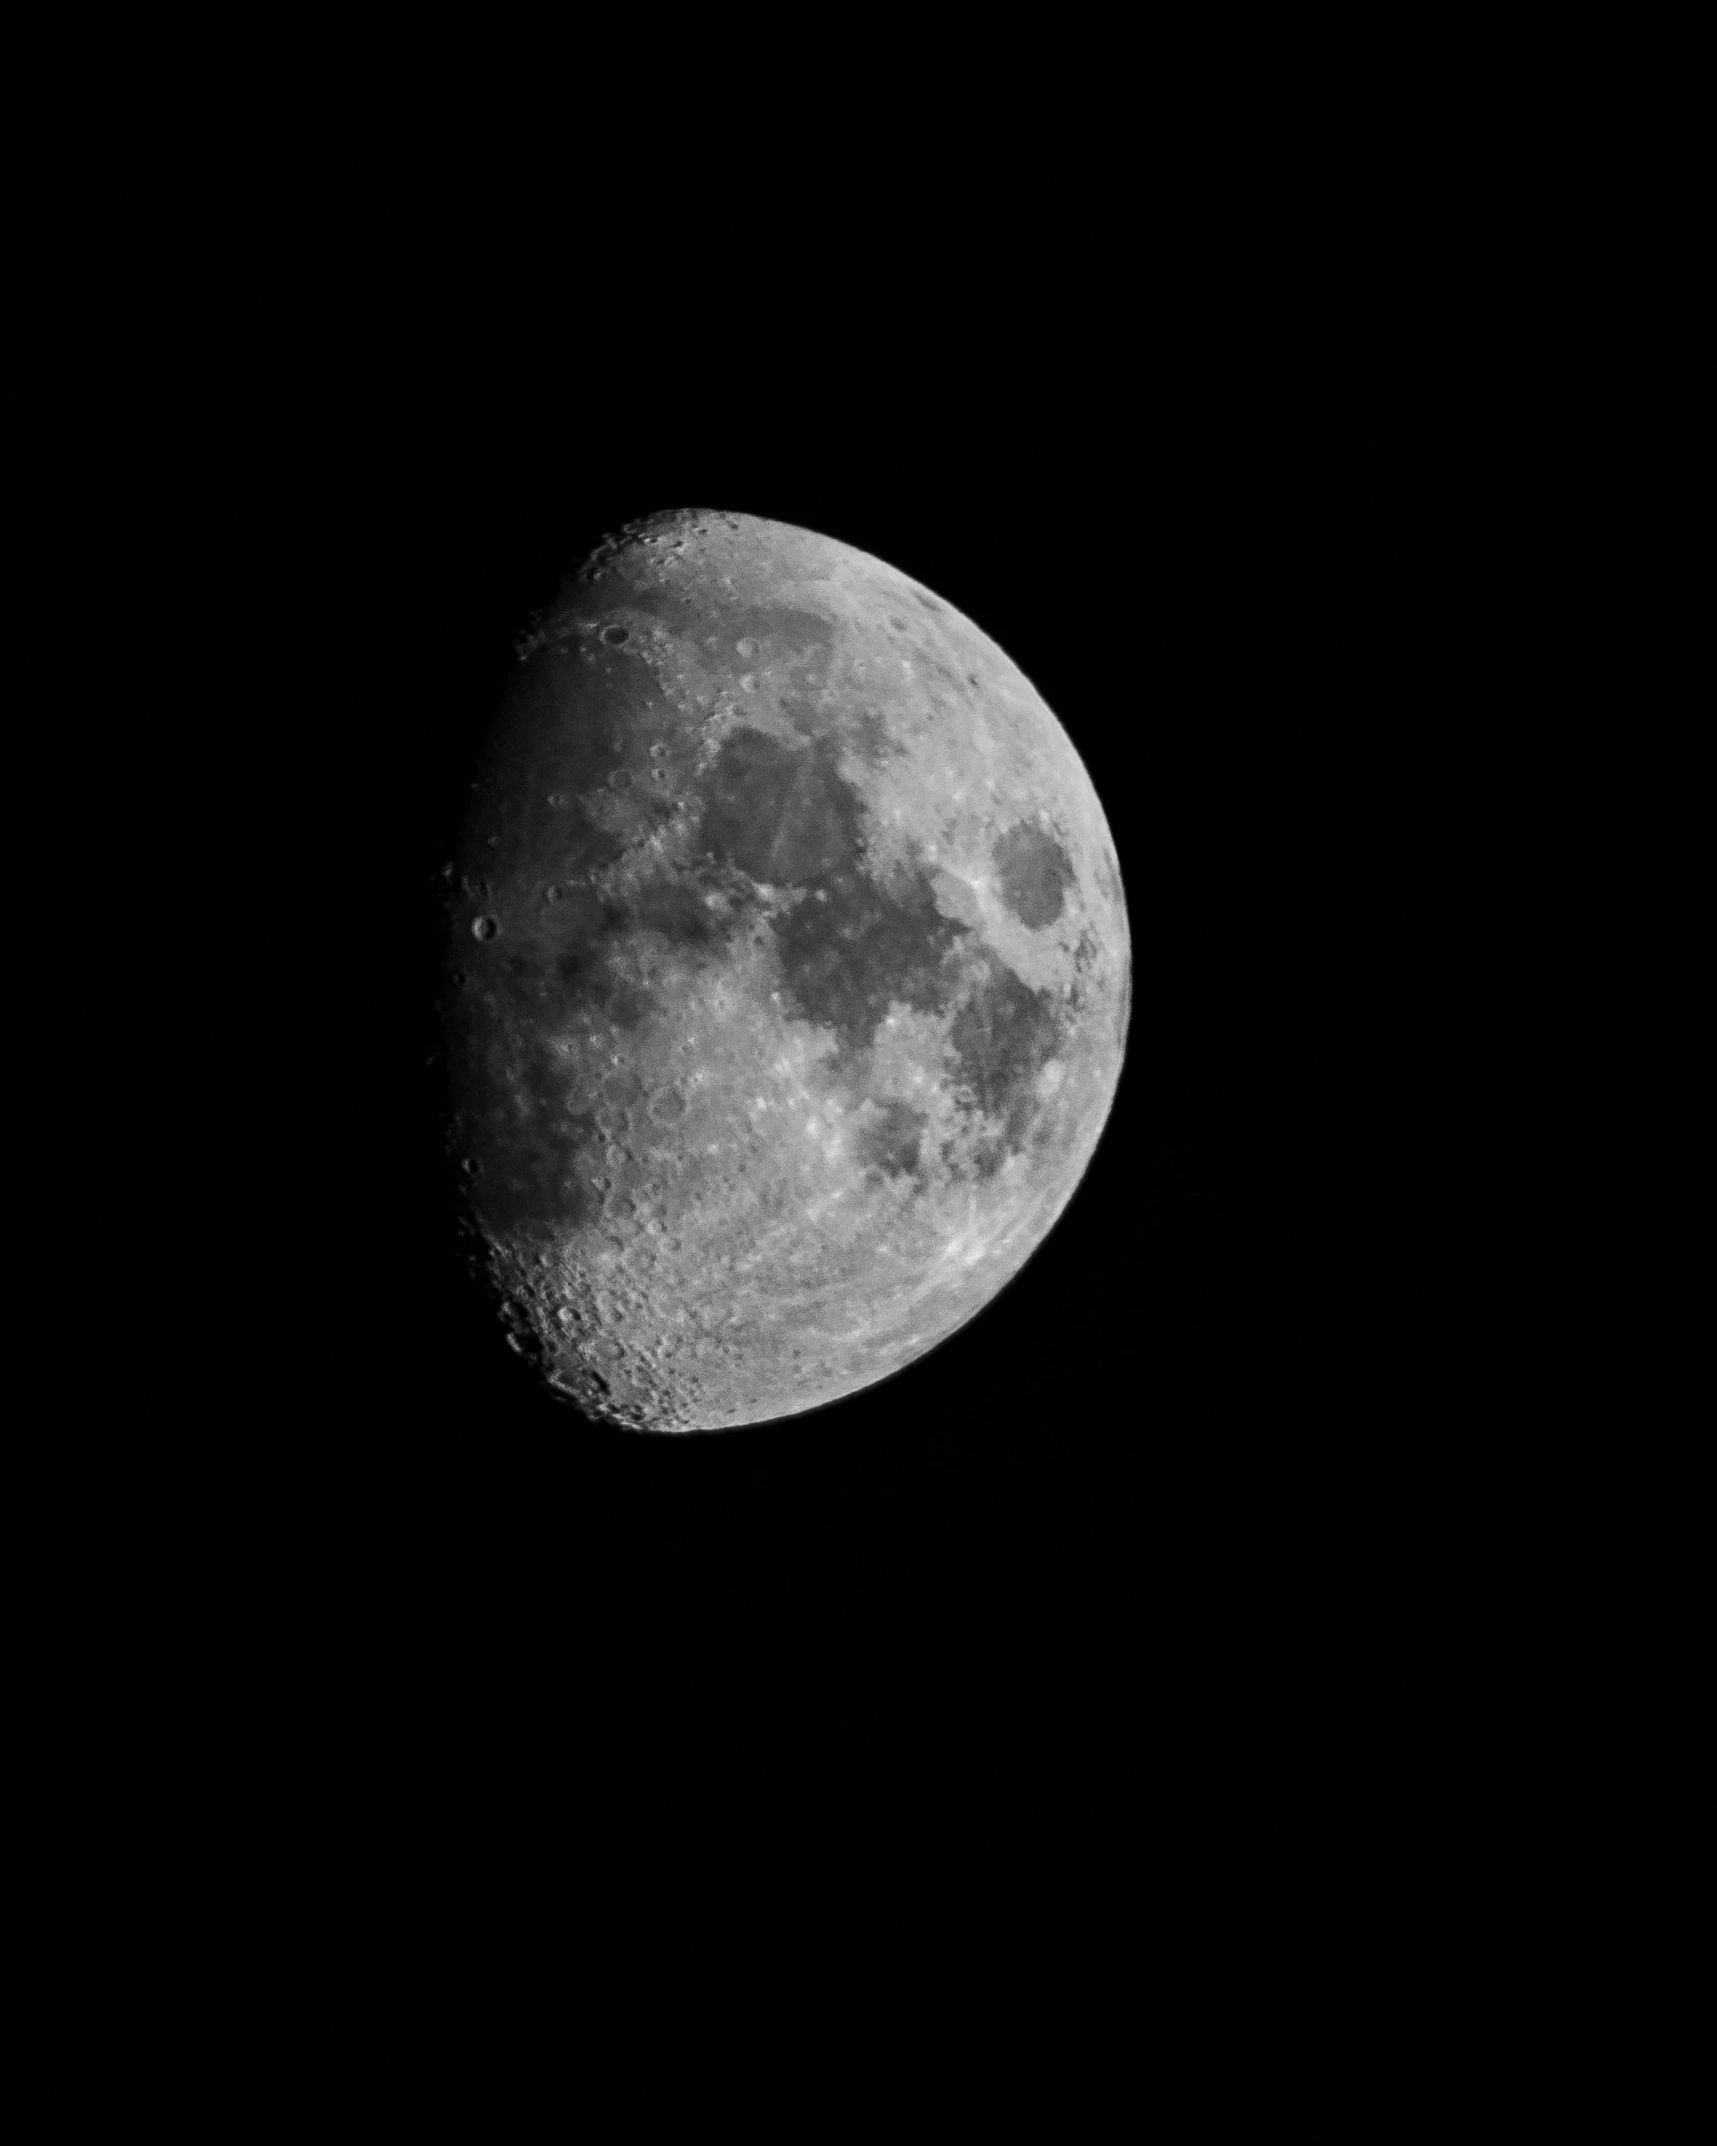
1347, 1436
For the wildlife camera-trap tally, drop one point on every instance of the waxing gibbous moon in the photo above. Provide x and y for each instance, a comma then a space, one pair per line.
787, 976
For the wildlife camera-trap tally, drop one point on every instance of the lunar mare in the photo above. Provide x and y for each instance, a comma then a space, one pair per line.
788, 976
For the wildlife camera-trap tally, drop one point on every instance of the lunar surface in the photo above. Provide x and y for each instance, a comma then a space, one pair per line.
788, 976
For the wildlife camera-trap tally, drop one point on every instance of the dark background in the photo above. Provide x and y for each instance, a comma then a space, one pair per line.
1307, 1556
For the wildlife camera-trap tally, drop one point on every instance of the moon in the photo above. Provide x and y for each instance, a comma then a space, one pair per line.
787, 981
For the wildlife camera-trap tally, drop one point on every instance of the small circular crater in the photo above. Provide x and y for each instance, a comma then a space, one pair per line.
615, 636
658, 774
746, 648
484, 928
658, 751
748, 684
622, 1088
899, 624
556, 798
621, 779
553, 894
